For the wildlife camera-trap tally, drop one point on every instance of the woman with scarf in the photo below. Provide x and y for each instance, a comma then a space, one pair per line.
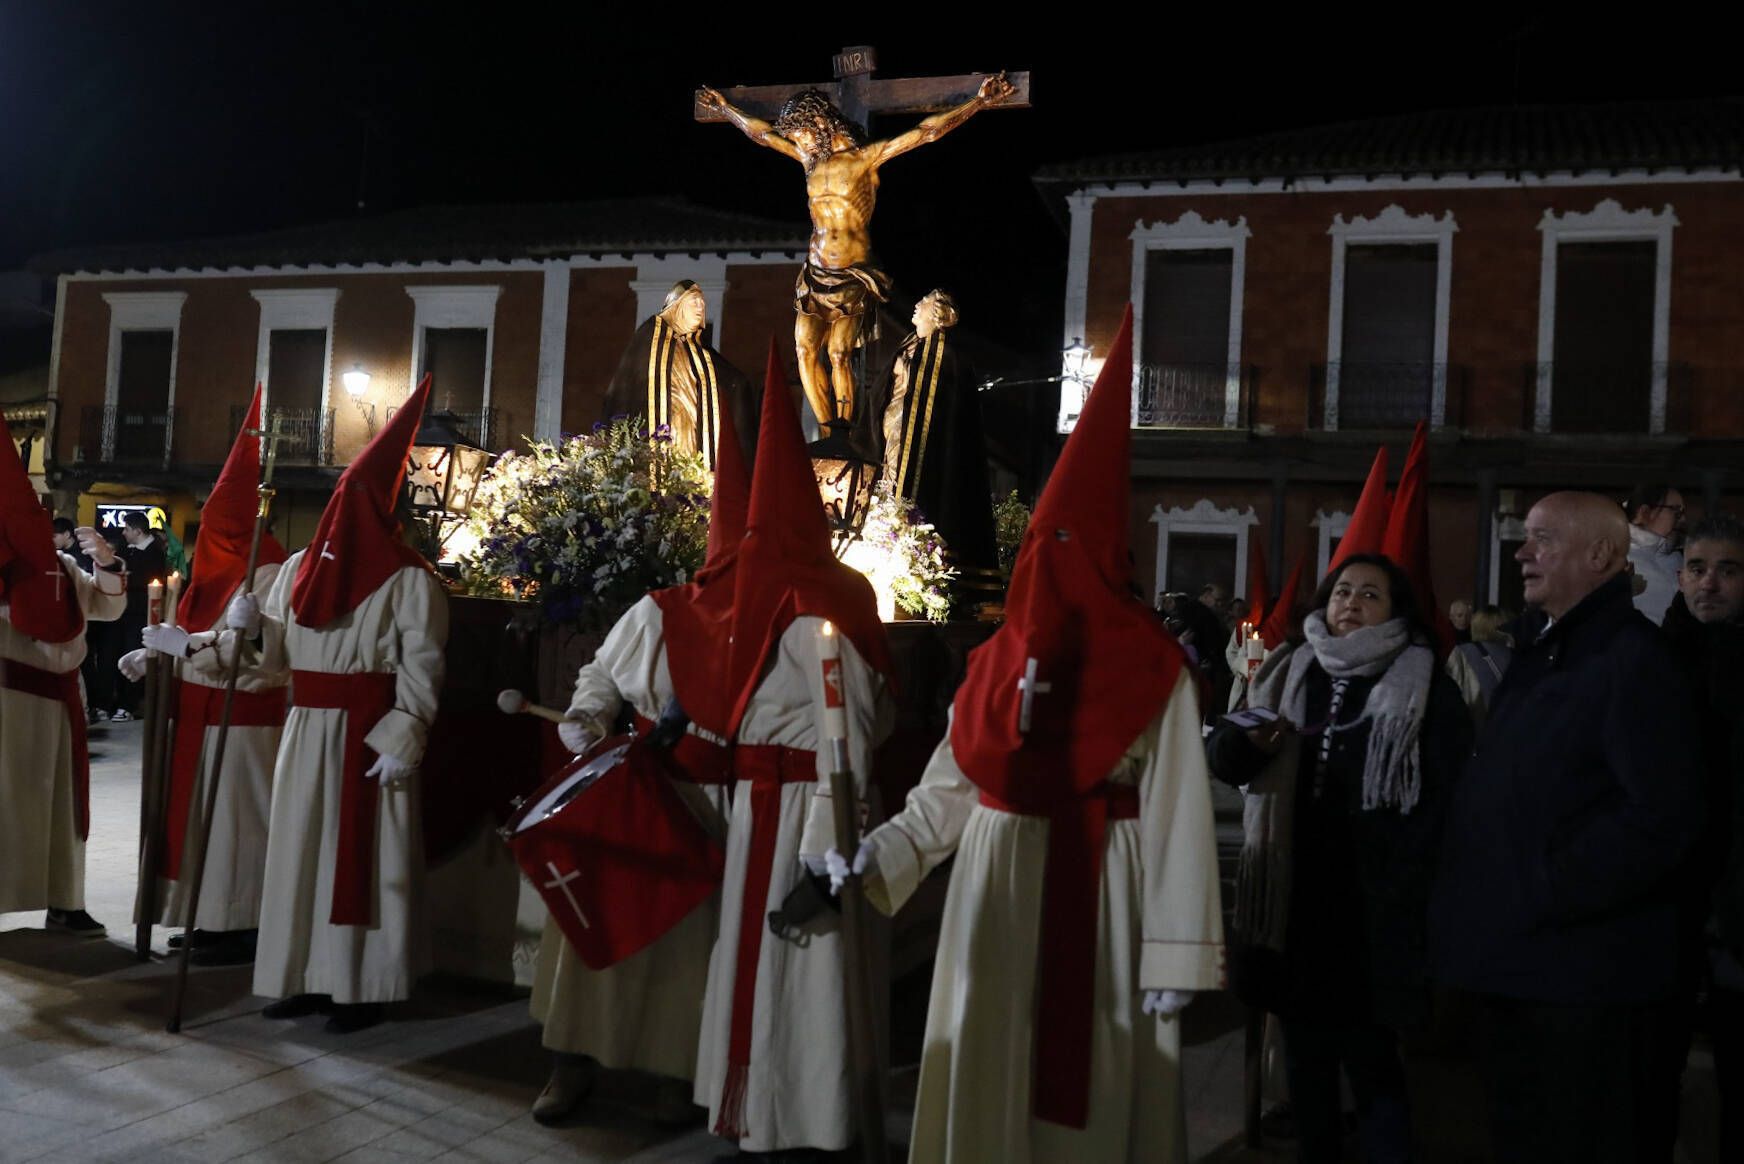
1345, 797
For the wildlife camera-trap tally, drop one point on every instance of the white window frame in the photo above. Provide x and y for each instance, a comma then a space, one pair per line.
1203, 518
1391, 226
1331, 525
1605, 222
294, 309
1503, 528
442, 307
655, 277
1190, 232
139, 311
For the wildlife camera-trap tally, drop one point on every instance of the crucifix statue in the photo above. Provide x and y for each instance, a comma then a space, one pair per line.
822, 127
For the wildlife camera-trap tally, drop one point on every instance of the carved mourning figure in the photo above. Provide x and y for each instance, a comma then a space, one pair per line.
934, 453
840, 275
669, 376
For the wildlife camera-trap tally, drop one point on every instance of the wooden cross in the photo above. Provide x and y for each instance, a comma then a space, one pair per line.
1030, 688
561, 882
859, 95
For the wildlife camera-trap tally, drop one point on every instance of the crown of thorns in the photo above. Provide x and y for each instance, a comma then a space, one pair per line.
812, 109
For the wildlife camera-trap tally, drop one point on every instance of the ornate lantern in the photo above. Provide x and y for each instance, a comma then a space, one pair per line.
443, 473
845, 480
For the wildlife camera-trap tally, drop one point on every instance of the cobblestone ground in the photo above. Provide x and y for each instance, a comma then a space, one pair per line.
87, 1072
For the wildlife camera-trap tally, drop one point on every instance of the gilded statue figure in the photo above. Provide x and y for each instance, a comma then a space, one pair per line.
841, 184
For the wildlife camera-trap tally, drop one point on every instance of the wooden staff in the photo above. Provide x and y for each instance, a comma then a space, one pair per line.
150, 781
216, 767
867, 1078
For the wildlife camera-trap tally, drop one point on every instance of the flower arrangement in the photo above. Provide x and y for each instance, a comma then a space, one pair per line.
1010, 519
588, 525
903, 558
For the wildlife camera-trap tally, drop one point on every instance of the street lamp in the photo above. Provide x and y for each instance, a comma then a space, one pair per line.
443, 473
356, 383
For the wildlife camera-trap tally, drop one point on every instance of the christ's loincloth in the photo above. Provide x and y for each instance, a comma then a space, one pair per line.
829, 293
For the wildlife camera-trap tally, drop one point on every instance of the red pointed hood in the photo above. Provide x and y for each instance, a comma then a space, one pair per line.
1258, 588
357, 544
1368, 524
227, 530
1407, 537
786, 568
1277, 626
33, 579
698, 617
1109, 660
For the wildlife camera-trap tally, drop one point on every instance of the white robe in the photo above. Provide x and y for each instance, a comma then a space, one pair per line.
1159, 927
645, 1012
797, 1090
401, 627
42, 859
236, 865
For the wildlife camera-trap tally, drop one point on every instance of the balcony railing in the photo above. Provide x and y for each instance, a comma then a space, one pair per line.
1347, 394
112, 435
307, 432
1188, 395
1582, 396
478, 426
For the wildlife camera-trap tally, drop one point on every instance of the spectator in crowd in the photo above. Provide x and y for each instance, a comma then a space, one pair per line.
144, 557
1345, 796
1459, 613
1202, 634
99, 681
1656, 515
1705, 624
1557, 903
1237, 611
1214, 595
1476, 666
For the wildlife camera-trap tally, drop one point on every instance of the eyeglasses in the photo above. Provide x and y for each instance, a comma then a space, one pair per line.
1676, 510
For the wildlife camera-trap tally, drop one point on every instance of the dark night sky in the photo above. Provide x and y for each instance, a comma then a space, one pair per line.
150, 121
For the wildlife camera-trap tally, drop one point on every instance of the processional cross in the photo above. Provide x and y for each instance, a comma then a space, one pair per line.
841, 186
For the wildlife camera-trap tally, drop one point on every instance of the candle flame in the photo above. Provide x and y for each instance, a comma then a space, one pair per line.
829, 627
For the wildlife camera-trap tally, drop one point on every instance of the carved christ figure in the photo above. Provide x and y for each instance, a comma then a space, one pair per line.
841, 186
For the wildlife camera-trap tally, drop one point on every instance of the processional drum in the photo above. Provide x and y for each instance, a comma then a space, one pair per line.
614, 850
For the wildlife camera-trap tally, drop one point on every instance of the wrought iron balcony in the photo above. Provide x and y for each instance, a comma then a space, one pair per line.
113, 435
308, 433
1347, 394
1586, 396
479, 426
1188, 395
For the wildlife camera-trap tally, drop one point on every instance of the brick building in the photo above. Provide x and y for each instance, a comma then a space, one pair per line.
1553, 289
520, 312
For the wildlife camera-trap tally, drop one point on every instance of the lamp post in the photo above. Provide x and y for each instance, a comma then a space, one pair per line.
443, 473
1074, 383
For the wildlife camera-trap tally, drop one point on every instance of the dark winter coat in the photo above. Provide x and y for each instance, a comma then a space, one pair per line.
1575, 815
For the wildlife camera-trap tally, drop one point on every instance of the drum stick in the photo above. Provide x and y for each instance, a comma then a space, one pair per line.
512, 702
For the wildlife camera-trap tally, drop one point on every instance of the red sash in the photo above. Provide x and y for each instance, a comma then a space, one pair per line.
364, 697
767, 767
63, 689
197, 708
694, 759
1066, 976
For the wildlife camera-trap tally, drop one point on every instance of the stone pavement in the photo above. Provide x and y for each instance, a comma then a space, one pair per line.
87, 1072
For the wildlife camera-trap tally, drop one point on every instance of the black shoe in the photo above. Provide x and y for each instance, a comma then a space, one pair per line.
353, 1016
298, 1005
232, 948
76, 922
201, 937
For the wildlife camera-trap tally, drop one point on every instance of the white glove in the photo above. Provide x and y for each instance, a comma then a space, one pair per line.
171, 640
390, 769
814, 864
839, 869
1166, 1004
577, 737
95, 546
132, 665
244, 615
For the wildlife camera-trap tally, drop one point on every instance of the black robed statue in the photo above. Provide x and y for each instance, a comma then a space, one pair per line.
669, 376
934, 453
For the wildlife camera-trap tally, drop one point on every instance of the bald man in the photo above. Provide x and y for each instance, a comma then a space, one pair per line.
1557, 903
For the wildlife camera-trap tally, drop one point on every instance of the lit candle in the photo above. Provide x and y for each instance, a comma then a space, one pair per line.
171, 595
835, 724
1256, 649
153, 602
